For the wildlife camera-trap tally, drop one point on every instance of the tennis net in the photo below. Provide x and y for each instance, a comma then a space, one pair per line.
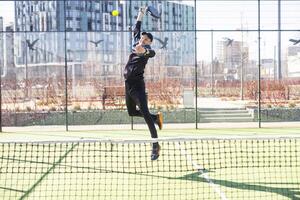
188, 168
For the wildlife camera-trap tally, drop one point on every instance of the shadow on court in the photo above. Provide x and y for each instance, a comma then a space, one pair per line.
292, 193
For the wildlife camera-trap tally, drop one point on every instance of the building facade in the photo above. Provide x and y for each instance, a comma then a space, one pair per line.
293, 61
232, 57
96, 39
1, 46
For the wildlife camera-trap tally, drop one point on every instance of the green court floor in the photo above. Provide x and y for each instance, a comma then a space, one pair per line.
209, 164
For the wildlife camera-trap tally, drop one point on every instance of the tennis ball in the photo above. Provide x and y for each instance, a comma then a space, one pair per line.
115, 13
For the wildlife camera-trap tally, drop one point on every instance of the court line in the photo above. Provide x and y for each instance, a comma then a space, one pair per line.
46, 173
11, 189
201, 170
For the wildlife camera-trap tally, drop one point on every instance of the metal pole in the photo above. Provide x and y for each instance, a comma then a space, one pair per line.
26, 59
196, 60
26, 66
279, 41
1, 88
242, 57
130, 41
242, 68
130, 14
259, 65
66, 68
1, 69
212, 63
242, 77
274, 62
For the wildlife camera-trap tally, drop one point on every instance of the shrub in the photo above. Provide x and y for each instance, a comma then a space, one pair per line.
40, 103
28, 109
159, 107
292, 105
52, 108
77, 107
280, 105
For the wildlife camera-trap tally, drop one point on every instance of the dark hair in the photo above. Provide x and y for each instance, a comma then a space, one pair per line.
149, 35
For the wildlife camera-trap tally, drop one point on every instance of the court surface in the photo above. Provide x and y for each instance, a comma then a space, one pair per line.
76, 165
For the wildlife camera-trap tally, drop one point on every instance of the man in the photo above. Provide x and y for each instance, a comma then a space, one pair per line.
134, 81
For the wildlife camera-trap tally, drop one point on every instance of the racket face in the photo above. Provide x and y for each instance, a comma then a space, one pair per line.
153, 12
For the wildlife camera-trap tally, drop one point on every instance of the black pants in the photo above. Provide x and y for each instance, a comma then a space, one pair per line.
136, 96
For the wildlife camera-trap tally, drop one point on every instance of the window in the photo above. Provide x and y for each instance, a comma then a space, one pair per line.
90, 28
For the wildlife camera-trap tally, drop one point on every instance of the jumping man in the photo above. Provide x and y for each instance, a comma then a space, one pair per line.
135, 84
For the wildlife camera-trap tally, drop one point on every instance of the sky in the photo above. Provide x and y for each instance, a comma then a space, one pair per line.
230, 15
7, 11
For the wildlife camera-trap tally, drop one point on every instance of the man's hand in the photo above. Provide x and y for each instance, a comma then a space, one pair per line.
142, 10
139, 49
141, 14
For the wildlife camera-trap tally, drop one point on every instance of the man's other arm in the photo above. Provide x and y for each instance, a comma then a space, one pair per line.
144, 51
149, 53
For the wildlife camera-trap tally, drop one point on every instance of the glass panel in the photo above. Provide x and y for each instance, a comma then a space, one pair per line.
32, 56
290, 15
281, 96
33, 79
269, 14
95, 77
170, 76
226, 15
96, 64
227, 74
33, 64
7, 17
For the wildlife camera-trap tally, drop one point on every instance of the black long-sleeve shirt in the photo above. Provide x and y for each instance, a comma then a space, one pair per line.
134, 69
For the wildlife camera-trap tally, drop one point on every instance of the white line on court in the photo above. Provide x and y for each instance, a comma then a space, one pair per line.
200, 169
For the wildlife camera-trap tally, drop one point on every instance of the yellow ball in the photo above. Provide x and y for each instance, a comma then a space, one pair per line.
115, 13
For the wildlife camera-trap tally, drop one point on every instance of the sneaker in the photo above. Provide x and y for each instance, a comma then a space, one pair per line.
159, 120
155, 152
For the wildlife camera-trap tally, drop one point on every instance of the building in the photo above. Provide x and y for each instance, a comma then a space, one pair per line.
268, 67
293, 61
88, 22
293, 65
9, 70
175, 54
7, 50
85, 23
89, 15
293, 50
1, 46
232, 57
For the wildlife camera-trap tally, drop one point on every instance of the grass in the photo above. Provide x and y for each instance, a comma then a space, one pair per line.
241, 169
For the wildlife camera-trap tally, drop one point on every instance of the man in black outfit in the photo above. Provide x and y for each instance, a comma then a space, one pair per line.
134, 81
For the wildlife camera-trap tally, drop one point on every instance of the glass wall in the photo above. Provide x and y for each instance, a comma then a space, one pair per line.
62, 62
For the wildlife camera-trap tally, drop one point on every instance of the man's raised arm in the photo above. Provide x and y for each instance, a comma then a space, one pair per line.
137, 28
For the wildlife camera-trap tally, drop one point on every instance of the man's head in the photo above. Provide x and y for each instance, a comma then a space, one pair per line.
146, 38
